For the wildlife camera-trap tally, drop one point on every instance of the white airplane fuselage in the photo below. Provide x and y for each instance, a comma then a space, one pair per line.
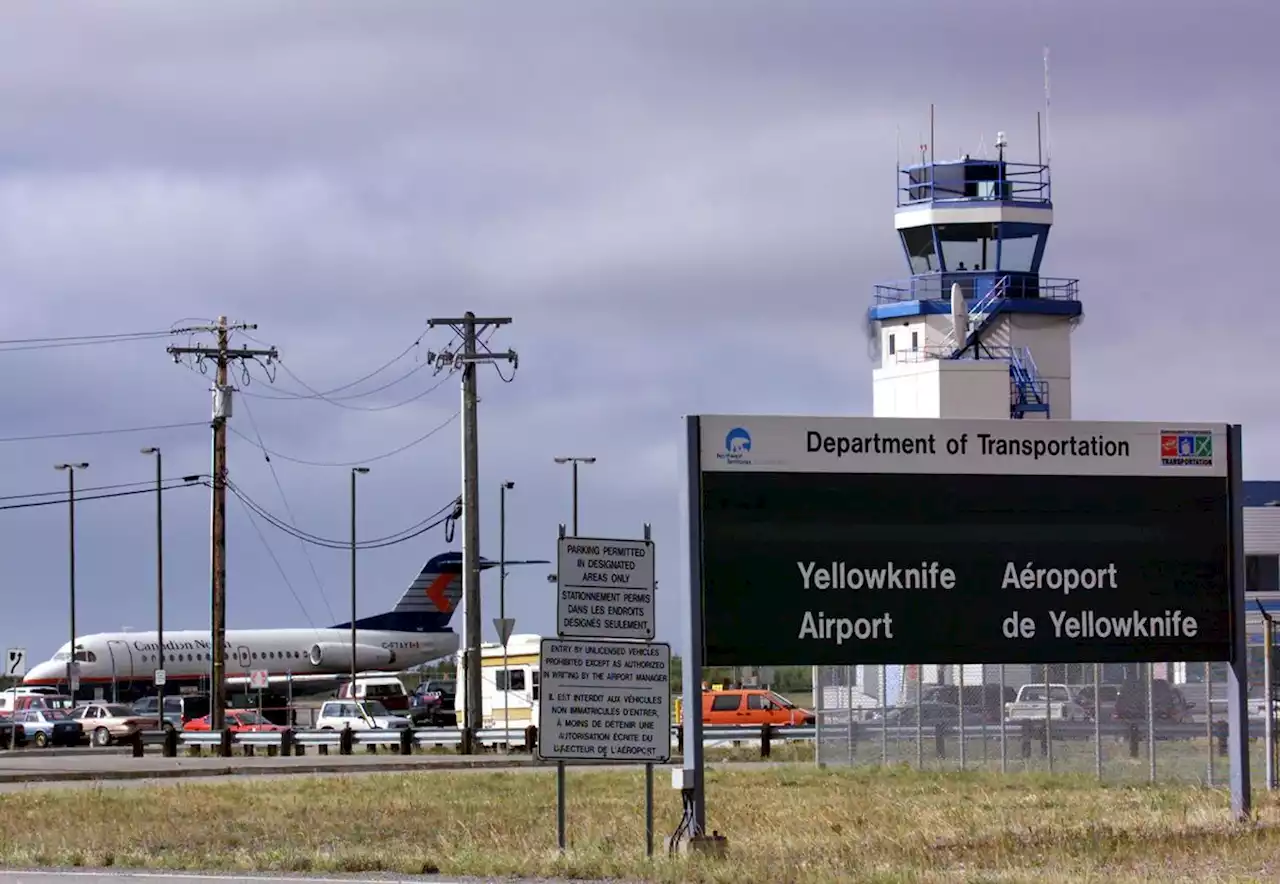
300, 660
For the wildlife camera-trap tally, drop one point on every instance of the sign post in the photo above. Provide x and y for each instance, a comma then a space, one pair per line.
605, 684
875, 541
504, 626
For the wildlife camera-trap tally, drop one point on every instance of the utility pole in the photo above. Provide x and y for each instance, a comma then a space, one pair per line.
70, 469
223, 356
159, 581
469, 328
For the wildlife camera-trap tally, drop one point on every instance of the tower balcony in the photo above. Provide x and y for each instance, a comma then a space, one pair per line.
930, 293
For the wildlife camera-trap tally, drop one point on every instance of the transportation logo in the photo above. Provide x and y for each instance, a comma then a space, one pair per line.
1186, 448
737, 446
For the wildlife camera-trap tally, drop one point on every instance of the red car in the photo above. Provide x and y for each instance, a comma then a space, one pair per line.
239, 721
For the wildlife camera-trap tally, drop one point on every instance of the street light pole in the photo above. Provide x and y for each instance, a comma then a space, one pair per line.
575, 461
355, 471
502, 600
159, 579
70, 469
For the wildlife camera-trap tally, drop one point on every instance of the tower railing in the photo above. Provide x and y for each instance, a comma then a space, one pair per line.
937, 287
948, 182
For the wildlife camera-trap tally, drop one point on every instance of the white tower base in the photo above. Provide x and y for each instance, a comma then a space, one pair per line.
959, 388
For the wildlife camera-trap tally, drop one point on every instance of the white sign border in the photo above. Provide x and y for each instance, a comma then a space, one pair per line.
780, 444
670, 707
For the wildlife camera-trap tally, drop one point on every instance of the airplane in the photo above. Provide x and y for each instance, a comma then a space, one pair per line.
300, 661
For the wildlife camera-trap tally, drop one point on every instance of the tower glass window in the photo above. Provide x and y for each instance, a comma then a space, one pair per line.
967, 246
1018, 246
918, 241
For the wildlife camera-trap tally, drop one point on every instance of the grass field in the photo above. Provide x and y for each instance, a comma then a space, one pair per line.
785, 824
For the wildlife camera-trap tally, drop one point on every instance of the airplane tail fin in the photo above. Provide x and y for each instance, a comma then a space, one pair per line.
429, 602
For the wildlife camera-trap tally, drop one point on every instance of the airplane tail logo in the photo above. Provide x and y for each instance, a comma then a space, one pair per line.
431, 599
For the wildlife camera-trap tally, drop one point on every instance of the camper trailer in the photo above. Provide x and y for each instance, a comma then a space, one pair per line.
508, 693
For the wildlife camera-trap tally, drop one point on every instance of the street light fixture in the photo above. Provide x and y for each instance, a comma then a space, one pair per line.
355, 471
502, 601
70, 469
575, 461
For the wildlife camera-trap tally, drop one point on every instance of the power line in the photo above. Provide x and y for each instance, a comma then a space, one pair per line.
340, 401
150, 486
353, 463
397, 537
107, 432
341, 404
79, 499
253, 424
270, 552
439, 517
13, 345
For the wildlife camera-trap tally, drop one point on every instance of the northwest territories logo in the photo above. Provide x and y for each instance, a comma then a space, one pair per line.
1186, 448
737, 446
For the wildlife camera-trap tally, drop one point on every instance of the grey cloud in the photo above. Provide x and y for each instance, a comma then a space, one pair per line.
683, 206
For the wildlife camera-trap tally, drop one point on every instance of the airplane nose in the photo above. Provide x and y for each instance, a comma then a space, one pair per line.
42, 672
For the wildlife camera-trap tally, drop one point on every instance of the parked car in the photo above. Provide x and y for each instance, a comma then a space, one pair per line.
178, 709
11, 732
50, 727
752, 707
432, 704
985, 699
238, 721
1167, 702
1107, 694
1035, 701
932, 713
12, 701
107, 722
359, 715
386, 689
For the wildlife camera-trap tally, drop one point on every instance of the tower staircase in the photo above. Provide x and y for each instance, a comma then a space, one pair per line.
1028, 392
983, 312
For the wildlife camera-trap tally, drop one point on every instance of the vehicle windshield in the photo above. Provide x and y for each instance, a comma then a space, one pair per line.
56, 714
116, 711
250, 718
781, 700
374, 708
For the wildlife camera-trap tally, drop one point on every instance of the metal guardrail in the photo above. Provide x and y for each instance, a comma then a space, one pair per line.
287, 742
762, 736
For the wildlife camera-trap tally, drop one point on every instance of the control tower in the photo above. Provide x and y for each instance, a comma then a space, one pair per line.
976, 332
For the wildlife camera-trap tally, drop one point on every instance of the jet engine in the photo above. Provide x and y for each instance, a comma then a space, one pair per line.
337, 654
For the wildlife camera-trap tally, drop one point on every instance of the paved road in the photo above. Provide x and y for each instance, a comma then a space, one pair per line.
87, 876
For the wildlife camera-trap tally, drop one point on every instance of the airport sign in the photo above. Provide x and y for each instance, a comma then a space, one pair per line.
867, 540
605, 588
15, 662
604, 701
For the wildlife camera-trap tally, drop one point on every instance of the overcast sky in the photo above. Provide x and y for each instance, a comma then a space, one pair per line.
684, 206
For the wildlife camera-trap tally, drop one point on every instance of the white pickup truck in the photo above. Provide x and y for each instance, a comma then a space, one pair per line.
1030, 704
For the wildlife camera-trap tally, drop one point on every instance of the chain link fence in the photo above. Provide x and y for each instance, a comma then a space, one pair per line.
1116, 722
